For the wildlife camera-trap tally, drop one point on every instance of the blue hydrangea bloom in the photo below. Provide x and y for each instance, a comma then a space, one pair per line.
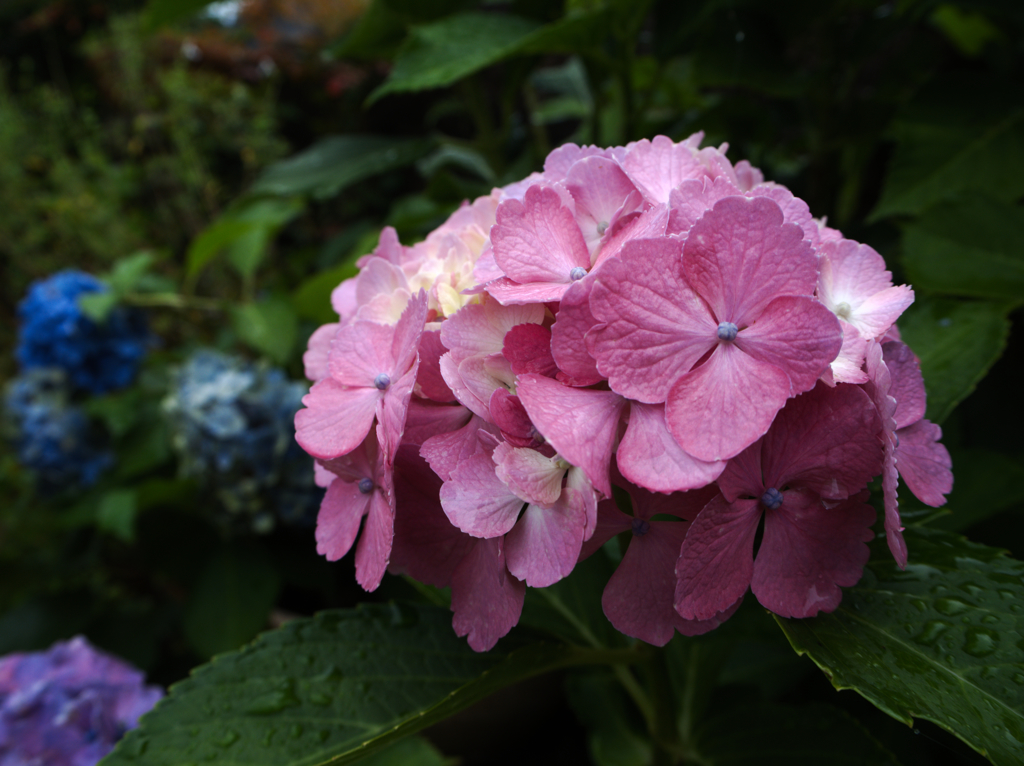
232, 427
67, 706
50, 436
55, 333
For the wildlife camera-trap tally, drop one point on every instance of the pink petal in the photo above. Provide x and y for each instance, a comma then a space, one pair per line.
576, 480
923, 463
321, 476
315, 359
721, 407
650, 457
717, 558
477, 501
343, 299
374, 548
486, 599
610, 522
391, 415
336, 419
341, 512
568, 348
828, 440
545, 544
639, 598
510, 416
510, 293
747, 175
538, 240
377, 276
893, 523
655, 327
528, 349
425, 419
361, 350
798, 335
560, 160
483, 375
651, 224
580, 423
848, 366
808, 551
907, 386
658, 166
691, 199
741, 255
599, 187
850, 273
463, 393
794, 209
480, 329
406, 340
429, 381
445, 451
533, 477
878, 313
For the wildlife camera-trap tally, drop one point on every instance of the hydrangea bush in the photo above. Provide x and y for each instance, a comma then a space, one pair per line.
649, 317
69, 705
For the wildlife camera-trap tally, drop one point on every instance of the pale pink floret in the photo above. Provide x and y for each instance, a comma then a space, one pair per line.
658, 166
804, 476
486, 599
372, 369
362, 487
539, 247
314, 360
855, 285
603, 195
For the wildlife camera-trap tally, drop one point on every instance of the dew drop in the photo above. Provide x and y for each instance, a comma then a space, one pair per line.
272, 702
981, 642
920, 605
972, 588
1018, 678
322, 735
330, 673
269, 735
295, 731
1007, 595
323, 700
950, 606
989, 619
228, 738
931, 632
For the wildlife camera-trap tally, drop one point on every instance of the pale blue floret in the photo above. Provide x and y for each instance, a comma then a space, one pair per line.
366, 486
727, 331
382, 381
577, 273
771, 499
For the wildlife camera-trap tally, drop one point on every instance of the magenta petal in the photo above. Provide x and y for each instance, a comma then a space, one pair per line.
528, 349
337, 524
650, 457
923, 463
480, 329
907, 384
808, 551
374, 549
740, 256
425, 419
533, 477
610, 522
798, 335
477, 501
718, 409
391, 414
717, 558
659, 165
568, 348
445, 451
893, 523
638, 599
545, 544
655, 328
538, 240
336, 418
463, 393
315, 359
429, 381
510, 416
828, 440
580, 423
486, 599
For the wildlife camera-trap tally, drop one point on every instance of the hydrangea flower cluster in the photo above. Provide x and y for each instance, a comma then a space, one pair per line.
51, 436
650, 317
55, 333
67, 706
231, 428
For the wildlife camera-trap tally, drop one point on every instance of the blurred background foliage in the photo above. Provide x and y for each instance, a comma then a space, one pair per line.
222, 165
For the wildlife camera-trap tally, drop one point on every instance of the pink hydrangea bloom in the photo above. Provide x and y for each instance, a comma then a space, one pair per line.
650, 315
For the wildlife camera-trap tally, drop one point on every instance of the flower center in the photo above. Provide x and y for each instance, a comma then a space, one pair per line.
366, 486
577, 273
727, 331
602, 227
640, 526
771, 499
844, 310
382, 381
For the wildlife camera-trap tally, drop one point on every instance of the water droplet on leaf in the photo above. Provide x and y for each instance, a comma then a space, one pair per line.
981, 642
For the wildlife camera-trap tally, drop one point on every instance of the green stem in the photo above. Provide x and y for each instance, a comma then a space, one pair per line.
172, 301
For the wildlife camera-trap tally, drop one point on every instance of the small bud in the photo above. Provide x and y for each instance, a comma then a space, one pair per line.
727, 331
641, 526
366, 486
382, 381
577, 273
771, 499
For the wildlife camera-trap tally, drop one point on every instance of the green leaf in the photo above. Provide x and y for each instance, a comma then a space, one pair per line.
987, 482
269, 327
969, 32
439, 54
116, 513
771, 734
940, 640
411, 751
614, 729
376, 35
334, 163
957, 342
232, 600
244, 231
972, 247
312, 299
161, 13
937, 159
97, 306
334, 687
128, 272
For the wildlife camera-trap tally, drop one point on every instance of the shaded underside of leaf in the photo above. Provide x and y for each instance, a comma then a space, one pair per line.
331, 688
941, 640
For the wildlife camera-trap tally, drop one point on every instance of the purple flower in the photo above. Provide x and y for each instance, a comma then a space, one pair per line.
67, 706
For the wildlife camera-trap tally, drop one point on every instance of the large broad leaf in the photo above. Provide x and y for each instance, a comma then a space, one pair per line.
771, 734
943, 151
972, 247
335, 688
244, 231
957, 342
987, 482
940, 640
271, 327
336, 162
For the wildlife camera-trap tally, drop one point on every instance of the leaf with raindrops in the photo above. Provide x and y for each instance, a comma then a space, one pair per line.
940, 640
